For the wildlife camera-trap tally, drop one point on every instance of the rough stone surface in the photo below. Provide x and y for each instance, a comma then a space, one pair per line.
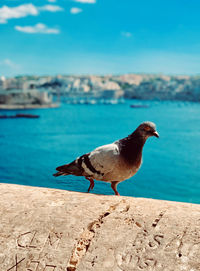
53, 230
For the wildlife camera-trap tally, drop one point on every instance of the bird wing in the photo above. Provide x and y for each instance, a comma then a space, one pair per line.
103, 160
97, 164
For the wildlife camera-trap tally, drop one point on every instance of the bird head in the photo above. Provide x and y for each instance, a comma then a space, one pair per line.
147, 129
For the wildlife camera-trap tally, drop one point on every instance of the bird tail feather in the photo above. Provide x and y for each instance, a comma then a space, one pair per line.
69, 169
59, 174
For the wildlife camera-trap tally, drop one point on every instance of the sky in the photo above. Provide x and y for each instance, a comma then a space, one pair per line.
50, 37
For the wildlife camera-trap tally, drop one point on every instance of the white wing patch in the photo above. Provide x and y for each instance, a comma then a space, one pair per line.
104, 159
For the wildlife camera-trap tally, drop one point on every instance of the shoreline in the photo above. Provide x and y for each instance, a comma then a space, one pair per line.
28, 106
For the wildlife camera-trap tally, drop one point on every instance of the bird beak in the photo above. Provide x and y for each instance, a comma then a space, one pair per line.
156, 134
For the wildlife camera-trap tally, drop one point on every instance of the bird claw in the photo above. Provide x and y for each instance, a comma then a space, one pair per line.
91, 184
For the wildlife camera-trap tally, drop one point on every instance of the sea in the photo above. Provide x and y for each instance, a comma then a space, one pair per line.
31, 149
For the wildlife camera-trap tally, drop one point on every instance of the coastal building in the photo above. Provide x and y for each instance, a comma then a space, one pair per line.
25, 97
131, 86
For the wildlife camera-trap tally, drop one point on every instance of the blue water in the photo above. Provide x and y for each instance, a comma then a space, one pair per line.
30, 149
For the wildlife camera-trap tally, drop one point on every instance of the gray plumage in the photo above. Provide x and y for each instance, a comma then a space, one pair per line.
114, 162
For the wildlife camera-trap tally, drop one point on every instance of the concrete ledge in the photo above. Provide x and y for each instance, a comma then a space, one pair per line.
53, 230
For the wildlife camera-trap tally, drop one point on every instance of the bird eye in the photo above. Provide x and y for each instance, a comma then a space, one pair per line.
147, 128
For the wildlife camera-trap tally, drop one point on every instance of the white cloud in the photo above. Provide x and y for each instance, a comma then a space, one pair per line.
75, 10
38, 28
51, 1
9, 63
25, 10
126, 34
17, 12
51, 8
86, 1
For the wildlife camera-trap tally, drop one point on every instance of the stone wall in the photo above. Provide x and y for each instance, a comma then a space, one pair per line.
53, 230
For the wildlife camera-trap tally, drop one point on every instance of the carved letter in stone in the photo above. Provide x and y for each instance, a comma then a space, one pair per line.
25, 240
16, 264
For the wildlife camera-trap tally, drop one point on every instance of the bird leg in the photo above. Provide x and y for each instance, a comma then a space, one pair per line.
114, 188
91, 184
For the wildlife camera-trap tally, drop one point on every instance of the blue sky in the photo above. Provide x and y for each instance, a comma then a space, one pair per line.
99, 37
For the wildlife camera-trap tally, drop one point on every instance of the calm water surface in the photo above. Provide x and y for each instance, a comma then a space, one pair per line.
30, 149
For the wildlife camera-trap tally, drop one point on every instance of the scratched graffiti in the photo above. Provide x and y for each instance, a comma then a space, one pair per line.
32, 266
31, 240
151, 243
16, 264
38, 251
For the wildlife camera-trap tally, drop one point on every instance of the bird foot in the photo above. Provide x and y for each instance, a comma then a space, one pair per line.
91, 184
114, 188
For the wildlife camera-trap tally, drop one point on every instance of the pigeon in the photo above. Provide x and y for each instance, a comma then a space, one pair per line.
112, 163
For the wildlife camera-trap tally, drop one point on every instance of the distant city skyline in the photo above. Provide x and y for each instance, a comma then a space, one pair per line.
50, 37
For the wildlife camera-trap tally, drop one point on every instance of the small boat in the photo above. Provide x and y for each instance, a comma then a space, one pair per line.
139, 106
29, 116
